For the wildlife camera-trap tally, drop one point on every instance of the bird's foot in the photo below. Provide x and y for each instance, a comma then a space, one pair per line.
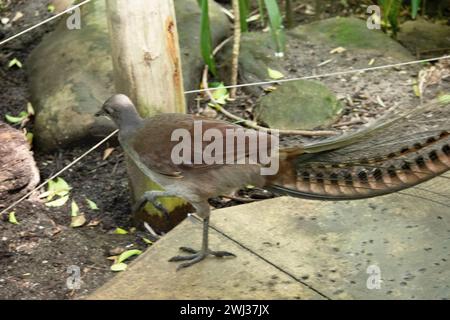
152, 198
197, 256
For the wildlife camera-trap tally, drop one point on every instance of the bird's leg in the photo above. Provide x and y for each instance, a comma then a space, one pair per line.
196, 256
152, 196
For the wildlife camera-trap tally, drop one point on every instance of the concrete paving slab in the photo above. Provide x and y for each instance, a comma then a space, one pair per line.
151, 276
402, 241
333, 245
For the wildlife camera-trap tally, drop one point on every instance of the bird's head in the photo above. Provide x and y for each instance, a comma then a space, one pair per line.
120, 109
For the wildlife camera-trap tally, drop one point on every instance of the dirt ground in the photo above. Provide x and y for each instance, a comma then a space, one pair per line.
35, 255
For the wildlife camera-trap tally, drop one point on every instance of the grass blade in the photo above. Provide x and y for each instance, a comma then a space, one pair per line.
276, 25
205, 37
261, 13
243, 12
414, 8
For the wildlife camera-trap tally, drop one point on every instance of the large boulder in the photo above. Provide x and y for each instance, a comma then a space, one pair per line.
298, 105
71, 71
425, 38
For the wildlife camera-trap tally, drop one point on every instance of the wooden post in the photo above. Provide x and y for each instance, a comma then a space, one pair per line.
146, 55
147, 68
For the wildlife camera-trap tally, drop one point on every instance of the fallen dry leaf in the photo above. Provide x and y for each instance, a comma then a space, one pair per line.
107, 153
338, 50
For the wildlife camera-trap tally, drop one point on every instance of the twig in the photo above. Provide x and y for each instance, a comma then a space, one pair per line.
252, 124
221, 45
236, 48
348, 123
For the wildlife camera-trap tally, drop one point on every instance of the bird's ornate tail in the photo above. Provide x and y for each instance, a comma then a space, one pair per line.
398, 151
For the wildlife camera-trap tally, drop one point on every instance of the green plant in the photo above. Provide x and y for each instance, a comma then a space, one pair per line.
205, 37
275, 24
390, 12
261, 12
414, 8
243, 12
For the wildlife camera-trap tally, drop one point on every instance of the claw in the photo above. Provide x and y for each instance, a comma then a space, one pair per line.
221, 254
143, 201
161, 208
188, 250
192, 262
197, 256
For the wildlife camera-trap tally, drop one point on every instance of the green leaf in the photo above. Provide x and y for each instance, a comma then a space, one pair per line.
243, 14
120, 231
276, 26
29, 136
51, 8
220, 93
58, 187
205, 38
261, 12
75, 210
147, 241
78, 221
128, 254
274, 74
30, 109
12, 218
444, 99
22, 116
57, 203
415, 4
391, 11
416, 90
117, 267
15, 63
92, 205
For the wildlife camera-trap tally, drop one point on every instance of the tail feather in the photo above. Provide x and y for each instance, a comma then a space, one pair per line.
386, 157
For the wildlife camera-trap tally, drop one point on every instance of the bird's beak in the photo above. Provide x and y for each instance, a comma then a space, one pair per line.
101, 113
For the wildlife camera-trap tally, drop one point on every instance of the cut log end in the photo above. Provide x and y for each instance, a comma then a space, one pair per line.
18, 171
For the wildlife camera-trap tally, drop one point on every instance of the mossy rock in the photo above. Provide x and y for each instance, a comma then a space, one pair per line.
300, 104
350, 33
256, 56
71, 72
425, 38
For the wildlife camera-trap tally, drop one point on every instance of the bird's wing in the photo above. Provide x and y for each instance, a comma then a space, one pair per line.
164, 138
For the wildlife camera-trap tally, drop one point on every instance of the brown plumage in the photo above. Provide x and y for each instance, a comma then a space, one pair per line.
366, 163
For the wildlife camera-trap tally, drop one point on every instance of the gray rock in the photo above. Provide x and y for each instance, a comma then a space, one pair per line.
422, 37
257, 54
352, 34
298, 105
71, 71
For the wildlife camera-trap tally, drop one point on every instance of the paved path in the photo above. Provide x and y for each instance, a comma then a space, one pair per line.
290, 248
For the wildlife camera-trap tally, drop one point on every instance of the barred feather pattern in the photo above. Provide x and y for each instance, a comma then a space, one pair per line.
398, 151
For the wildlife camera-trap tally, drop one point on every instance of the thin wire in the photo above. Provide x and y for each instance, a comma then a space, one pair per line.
58, 173
187, 92
324, 75
43, 22
203, 90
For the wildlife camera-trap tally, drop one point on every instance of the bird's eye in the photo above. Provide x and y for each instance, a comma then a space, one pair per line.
109, 110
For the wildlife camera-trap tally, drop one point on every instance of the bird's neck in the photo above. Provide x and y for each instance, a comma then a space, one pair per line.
129, 122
